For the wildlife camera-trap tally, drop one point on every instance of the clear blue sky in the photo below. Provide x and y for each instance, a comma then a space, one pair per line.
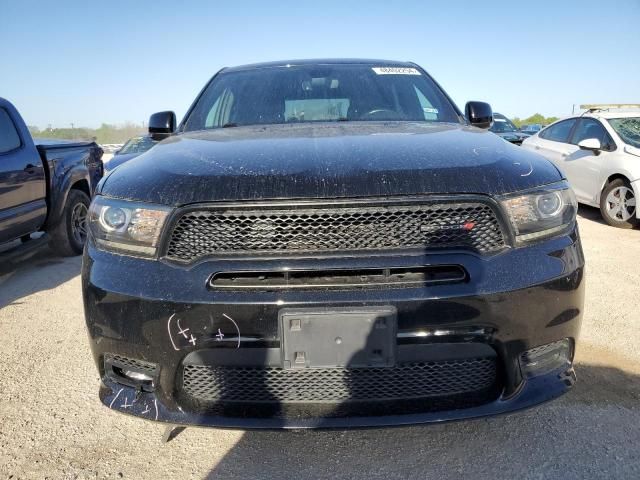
114, 61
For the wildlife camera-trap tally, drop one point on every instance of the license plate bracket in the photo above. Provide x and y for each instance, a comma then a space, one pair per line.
354, 337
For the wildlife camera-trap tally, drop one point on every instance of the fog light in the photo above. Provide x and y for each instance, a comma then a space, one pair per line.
132, 372
546, 358
139, 376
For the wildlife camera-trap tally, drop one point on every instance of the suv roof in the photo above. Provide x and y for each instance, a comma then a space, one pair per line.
321, 61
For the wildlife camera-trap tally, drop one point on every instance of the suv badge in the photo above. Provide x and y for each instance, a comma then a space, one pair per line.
467, 226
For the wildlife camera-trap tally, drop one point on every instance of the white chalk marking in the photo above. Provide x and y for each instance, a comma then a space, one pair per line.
236, 325
155, 403
169, 330
525, 174
192, 340
220, 335
114, 398
182, 331
125, 404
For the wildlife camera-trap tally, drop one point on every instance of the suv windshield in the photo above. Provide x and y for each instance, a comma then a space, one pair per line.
137, 145
502, 124
319, 93
628, 128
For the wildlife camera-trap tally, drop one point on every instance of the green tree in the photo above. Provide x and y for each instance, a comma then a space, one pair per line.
535, 118
106, 133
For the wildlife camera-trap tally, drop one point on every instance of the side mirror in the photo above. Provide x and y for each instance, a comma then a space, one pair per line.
479, 114
162, 124
592, 144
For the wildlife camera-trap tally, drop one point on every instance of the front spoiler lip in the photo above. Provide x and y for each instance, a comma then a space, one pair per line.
532, 392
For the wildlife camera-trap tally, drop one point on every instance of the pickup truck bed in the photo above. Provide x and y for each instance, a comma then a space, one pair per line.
45, 185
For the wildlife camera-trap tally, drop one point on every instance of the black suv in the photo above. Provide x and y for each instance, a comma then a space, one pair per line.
331, 243
503, 127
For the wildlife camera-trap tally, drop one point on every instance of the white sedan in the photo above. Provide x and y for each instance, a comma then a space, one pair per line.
599, 152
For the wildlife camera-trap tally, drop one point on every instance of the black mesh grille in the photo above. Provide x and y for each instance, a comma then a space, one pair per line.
333, 228
405, 381
123, 362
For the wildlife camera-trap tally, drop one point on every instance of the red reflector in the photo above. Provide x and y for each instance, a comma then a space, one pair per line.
469, 226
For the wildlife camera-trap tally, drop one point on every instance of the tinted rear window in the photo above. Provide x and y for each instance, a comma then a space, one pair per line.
9, 138
559, 132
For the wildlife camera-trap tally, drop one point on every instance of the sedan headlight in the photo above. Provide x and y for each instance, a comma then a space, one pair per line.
542, 212
126, 227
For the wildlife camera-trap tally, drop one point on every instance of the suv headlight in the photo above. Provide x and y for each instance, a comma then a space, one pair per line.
126, 227
542, 212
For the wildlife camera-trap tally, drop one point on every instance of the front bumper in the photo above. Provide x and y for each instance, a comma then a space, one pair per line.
513, 301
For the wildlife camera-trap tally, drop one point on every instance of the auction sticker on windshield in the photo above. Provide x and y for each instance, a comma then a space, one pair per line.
395, 71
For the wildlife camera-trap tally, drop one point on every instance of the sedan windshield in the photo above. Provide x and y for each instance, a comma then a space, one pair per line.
137, 145
319, 93
628, 128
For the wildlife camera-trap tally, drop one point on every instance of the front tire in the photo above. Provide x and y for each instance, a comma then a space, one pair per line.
618, 204
69, 235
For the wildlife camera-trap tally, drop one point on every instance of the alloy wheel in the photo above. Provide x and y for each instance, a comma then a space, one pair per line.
621, 204
79, 223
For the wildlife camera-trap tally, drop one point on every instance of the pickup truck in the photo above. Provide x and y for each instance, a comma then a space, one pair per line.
44, 185
331, 243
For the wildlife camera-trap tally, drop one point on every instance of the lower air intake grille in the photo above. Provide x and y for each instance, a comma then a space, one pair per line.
403, 382
125, 362
272, 228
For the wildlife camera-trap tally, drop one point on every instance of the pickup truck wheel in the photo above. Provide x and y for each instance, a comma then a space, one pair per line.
68, 237
618, 204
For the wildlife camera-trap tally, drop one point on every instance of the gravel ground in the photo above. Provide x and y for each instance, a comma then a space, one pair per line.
53, 426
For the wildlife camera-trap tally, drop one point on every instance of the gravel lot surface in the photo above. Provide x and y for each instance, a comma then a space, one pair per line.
53, 426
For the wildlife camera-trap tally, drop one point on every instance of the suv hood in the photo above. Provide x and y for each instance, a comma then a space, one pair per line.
327, 160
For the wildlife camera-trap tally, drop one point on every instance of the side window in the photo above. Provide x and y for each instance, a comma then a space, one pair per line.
219, 114
429, 112
590, 128
559, 132
9, 138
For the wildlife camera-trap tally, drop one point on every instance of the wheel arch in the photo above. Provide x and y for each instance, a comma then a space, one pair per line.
77, 179
83, 186
611, 178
